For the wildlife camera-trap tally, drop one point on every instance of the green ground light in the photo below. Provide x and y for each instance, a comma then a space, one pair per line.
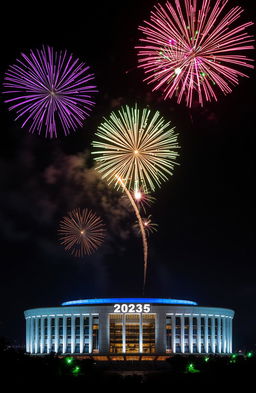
191, 369
69, 360
76, 370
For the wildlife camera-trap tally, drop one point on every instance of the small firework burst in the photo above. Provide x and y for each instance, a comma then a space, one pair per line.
195, 49
148, 225
49, 90
142, 199
81, 232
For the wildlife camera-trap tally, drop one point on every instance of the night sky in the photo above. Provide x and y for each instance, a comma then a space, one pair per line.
204, 249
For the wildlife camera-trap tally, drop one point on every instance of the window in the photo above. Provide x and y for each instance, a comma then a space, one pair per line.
52, 328
86, 334
178, 334
186, 334
95, 334
77, 327
60, 328
68, 327
132, 329
116, 335
169, 334
148, 333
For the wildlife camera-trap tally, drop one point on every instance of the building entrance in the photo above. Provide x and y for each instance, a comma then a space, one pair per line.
132, 333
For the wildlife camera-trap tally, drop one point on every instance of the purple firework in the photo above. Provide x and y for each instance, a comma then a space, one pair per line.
49, 89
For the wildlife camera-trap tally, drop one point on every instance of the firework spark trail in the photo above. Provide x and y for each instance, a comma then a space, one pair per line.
193, 51
81, 232
49, 88
141, 225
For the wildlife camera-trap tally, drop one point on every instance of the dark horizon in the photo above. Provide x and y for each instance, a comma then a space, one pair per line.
204, 249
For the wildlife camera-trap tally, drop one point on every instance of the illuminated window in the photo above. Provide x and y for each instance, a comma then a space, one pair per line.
39, 328
216, 334
186, 334
194, 327
95, 334
148, 328
77, 327
169, 334
86, 335
132, 329
60, 328
44, 335
202, 335
178, 334
68, 328
127, 338
116, 336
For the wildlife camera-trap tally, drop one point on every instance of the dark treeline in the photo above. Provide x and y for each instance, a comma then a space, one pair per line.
202, 372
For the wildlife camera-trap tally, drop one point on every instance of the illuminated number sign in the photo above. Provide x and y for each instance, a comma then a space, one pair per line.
132, 308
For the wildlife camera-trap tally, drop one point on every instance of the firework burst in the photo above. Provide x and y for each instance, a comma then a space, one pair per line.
137, 146
194, 51
149, 226
142, 199
49, 90
81, 232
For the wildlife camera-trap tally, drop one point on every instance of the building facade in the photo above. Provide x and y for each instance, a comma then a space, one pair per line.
129, 326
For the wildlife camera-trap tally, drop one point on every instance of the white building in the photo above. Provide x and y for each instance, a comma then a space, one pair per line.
129, 327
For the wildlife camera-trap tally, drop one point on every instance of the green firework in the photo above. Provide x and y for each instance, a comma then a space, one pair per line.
136, 145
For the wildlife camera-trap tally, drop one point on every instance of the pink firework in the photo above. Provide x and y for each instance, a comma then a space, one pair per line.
193, 50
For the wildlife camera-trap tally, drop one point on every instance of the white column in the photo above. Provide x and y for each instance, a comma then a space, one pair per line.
173, 334
49, 335
81, 333
190, 335
224, 337
141, 334
32, 333
213, 334
206, 328
230, 335
42, 335
56, 327
123, 333
27, 334
227, 334
36, 335
90, 334
64, 345
73, 337
182, 334
219, 335
198, 334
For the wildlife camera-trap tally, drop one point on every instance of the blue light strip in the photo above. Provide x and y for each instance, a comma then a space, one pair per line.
128, 300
